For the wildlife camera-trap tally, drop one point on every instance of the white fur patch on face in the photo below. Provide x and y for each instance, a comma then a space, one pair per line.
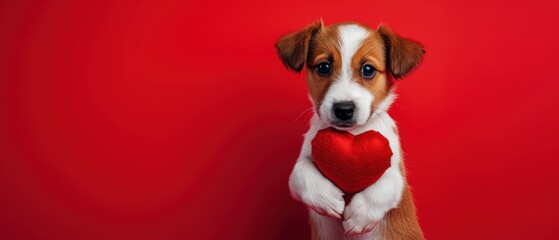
343, 91
344, 87
351, 38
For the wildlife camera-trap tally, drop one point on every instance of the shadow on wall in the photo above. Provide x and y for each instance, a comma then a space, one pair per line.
245, 193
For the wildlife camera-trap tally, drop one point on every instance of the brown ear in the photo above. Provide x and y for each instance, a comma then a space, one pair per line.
402, 54
292, 48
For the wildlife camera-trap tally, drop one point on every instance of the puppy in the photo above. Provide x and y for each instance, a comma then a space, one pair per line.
350, 71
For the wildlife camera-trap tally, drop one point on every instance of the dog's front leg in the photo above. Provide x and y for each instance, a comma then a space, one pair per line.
369, 206
309, 186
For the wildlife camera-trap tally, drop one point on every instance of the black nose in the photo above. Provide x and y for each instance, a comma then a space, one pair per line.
344, 110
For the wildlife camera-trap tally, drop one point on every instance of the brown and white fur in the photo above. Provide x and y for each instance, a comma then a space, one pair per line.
385, 209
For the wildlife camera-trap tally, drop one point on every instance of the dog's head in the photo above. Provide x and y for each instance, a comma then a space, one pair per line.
350, 68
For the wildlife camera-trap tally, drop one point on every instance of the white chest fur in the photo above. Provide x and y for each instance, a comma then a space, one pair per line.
376, 200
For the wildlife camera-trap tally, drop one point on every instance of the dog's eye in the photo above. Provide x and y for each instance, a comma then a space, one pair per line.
323, 68
368, 71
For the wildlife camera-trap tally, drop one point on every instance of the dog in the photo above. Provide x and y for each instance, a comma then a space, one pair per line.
351, 71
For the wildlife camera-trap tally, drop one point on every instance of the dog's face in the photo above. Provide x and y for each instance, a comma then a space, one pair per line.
350, 68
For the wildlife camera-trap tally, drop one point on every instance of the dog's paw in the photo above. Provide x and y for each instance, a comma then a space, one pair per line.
324, 198
361, 216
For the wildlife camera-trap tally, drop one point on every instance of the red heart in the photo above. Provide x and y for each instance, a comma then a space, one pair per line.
351, 162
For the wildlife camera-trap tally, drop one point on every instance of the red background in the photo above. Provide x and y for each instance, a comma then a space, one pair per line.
176, 120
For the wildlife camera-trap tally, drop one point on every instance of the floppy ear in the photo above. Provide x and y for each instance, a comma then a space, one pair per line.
402, 54
292, 48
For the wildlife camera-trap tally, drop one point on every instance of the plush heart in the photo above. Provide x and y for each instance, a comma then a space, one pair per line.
351, 162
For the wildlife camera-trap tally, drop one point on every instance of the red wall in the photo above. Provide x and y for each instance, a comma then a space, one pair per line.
176, 120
